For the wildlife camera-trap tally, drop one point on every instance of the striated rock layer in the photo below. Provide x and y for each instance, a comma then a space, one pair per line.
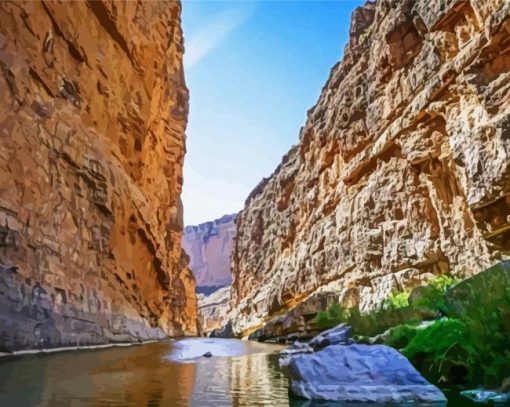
209, 246
402, 170
93, 108
214, 309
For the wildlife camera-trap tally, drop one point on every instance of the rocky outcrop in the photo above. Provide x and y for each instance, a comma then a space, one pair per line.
92, 116
298, 323
402, 170
209, 246
360, 373
214, 309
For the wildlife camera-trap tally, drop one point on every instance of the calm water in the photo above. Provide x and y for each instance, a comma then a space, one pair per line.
168, 373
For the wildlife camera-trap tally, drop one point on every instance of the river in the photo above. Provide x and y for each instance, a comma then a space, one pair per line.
169, 373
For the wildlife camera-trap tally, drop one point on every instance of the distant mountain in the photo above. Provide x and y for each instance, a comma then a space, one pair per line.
209, 246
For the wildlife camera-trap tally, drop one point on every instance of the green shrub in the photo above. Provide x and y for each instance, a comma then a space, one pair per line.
400, 336
379, 321
440, 351
333, 316
472, 347
455, 352
396, 301
432, 296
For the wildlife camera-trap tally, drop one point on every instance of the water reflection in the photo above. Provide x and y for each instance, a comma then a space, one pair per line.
165, 374
158, 374
133, 376
239, 374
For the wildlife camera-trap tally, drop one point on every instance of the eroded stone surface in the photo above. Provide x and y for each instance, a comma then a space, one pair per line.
360, 373
93, 108
401, 171
209, 246
214, 309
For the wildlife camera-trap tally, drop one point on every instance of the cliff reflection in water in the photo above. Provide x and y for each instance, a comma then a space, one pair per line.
157, 374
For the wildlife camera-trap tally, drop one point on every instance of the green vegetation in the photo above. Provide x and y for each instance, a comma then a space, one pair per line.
396, 310
372, 323
333, 316
401, 335
468, 340
472, 345
432, 296
396, 301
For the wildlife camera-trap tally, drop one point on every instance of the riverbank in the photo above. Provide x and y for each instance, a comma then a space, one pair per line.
76, 348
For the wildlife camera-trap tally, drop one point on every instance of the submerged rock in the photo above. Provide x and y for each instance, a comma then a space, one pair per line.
484, 396
360, 373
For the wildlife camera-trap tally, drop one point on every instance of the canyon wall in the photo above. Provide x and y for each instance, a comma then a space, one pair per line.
209, 246
93, 109
214, 309
402, 169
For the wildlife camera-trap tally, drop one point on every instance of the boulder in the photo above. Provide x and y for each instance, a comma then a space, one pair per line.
339, 335
207, 355
297, 348
360, 373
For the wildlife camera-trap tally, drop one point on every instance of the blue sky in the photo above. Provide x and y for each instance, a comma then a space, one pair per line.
253, 69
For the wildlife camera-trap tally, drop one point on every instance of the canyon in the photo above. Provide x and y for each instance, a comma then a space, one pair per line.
402, 169
365, 248
92, 118
209, 246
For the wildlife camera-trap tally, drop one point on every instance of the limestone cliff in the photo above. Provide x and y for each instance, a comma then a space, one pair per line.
209, 246
93, 109
214, 309
402, 170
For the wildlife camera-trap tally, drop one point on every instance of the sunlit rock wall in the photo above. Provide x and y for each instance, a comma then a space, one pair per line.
402, 168
209, 246
214, 309
93, 108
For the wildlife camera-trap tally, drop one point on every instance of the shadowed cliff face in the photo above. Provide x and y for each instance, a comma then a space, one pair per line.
209, 246
402, 170
93, 109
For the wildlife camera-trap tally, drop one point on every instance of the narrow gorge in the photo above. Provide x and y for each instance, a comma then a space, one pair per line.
209, 246
371, 266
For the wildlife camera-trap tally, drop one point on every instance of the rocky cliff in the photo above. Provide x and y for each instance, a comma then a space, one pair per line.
209, 246
402, 169
93, 108
214, 309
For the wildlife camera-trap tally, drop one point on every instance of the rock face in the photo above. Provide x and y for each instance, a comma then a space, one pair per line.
209, 246
213, 310
402, 170
93, 108
298, 323
360, 373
